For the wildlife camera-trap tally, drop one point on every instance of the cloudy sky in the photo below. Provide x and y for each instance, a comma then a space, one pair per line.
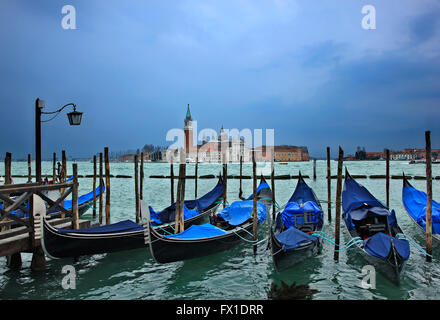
304, 68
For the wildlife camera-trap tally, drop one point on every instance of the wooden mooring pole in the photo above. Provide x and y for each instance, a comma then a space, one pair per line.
329, 187
182, 200
141, 178
63, 176
172, 181
94, 185
101, 184
429, 197
8, 162
254, 202
29, 168
225, 180
240, 192
272, 180
338, 204
75, 216
314, 169
107, 186
54, 168
387, 177
196, 175
136, 185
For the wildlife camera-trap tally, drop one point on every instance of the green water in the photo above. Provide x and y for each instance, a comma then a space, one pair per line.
235, 274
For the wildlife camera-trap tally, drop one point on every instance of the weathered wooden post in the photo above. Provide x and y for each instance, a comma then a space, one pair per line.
107, 186
182, 200
240, 193
254, 208
329, 185
429, 197
338, 204
177, 213
8, 162
64, 164
141, 183
101, 184
136, 185
196, 175
314, 169
75, 216
225, 179
63, 176
54, 169
272, 178
29, 168
94, 185
172, 180
387, 177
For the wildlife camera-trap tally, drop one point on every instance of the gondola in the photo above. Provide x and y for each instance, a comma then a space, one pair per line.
225, 230
291, 240
414, 202
369, 221
124, 235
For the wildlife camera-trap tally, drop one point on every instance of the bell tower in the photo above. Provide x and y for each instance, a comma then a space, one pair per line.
188, 129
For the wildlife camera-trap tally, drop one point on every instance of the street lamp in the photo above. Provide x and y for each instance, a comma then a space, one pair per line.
74, 120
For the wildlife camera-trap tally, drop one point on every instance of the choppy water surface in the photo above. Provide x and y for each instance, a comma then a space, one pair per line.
235, 274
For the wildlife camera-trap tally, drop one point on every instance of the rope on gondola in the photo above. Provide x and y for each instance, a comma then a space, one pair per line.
410, 240
350, 243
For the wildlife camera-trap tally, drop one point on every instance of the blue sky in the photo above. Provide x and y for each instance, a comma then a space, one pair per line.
305, 68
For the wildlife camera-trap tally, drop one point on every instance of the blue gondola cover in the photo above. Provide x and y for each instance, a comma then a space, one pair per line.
379, 246
187, 214
261, 186
167, 215
206, 230
119, 227
82, 199
294, 211
240, 211
292, 238
415, 203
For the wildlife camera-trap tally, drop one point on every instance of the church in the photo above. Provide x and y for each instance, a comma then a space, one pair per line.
220, 147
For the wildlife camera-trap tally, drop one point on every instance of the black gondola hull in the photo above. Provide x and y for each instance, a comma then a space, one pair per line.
61, 245
285, 259
165, 250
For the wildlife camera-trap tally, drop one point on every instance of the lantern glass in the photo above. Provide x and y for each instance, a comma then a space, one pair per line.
74, 118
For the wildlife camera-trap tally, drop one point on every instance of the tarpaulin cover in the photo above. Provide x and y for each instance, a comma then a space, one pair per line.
240, 211
358, 203
302, 193
263, 185
292, 238
198, 231
379, 246
187, 213
415, 203
294, 211
167, 215
355, 196
119, 227
82, 199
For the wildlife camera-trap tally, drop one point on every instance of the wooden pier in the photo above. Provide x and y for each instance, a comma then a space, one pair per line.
19, 235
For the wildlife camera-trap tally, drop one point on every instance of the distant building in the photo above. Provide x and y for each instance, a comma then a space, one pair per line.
222, 147
130, 157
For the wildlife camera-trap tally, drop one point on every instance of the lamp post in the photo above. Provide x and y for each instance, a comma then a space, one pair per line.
74, 120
